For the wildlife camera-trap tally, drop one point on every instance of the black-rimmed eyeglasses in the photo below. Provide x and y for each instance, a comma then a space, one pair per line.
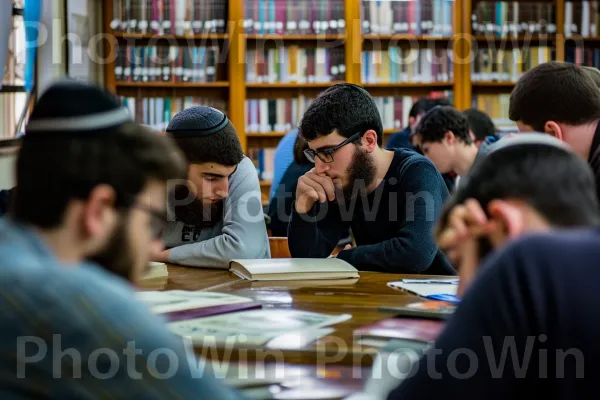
327, 155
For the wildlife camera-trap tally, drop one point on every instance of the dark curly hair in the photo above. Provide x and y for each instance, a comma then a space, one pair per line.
223, 147
439, 120
344, 107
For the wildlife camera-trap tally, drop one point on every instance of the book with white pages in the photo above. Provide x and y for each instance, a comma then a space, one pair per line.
169, 301
289, 269
427, 287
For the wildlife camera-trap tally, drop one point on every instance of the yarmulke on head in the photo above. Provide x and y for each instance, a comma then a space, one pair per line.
72, 107
205, 134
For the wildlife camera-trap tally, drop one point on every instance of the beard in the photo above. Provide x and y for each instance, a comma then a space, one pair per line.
361, 174
194, 212
117, 256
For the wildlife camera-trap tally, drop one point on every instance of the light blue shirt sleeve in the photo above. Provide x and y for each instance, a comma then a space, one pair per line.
284, 156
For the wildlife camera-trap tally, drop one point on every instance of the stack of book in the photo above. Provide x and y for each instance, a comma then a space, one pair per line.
293, 64
170, 17
424, 17
399, 65
166, 64
298, 17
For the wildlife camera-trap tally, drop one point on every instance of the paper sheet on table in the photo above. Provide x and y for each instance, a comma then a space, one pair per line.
425, 289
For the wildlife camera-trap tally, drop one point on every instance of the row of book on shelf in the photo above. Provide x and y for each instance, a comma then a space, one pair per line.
169, 17
156, 112
284, 114
508, 19
397, 65
166, 64
580, 56
294, 64
582, 18
507, 65
299, 17
422, 17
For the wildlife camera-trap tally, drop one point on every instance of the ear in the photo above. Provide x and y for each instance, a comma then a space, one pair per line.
369, 140
509, 221
99, 214
449, 137
472, 135
553, 129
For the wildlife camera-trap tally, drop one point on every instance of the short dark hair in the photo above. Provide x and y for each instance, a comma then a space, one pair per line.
555, 91
555, 182
53, 170
480, 123
223, 147
299, 146
434, 125
344, 107
425, 104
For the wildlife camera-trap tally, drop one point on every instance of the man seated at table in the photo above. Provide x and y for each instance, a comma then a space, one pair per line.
525, 328
526, 183
90, 184
390, 198
444, 137
217, 215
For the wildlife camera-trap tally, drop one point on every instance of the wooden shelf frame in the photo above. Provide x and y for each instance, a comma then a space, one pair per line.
353, 41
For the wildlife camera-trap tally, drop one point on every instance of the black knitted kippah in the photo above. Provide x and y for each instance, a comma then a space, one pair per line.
197, 121
73, 107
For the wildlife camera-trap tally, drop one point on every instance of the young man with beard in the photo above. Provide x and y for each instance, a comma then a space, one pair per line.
389, 198
216, 215
90, 184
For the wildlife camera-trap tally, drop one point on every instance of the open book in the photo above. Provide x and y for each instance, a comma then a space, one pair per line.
288, 269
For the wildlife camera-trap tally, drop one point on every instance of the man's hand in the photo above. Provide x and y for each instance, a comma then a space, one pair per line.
459, 239
312, 188
346, 247
161, 256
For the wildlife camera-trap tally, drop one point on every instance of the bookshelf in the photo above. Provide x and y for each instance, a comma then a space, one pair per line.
348, 44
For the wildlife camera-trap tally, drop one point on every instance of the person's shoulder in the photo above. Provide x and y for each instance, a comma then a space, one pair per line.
245, 173
410, 162
550, 251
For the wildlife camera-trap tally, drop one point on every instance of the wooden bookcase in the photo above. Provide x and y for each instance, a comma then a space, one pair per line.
235, 90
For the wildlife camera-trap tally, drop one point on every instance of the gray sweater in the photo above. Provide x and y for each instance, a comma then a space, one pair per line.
242, 233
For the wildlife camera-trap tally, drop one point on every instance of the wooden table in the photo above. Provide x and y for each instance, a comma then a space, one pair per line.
359, 298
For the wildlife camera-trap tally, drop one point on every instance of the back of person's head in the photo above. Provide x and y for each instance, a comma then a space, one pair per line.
205, 135
424, 104
594, 73
555, 91
442, 119
480, 124
345, 108
80, 137
537, 170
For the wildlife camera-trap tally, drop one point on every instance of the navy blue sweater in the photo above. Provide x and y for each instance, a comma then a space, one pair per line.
536, 303
392, 226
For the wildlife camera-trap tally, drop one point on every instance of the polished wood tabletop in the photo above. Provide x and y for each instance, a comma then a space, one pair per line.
360, 298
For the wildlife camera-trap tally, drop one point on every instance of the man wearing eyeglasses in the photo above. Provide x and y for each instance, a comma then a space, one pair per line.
389, 198
90, 185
